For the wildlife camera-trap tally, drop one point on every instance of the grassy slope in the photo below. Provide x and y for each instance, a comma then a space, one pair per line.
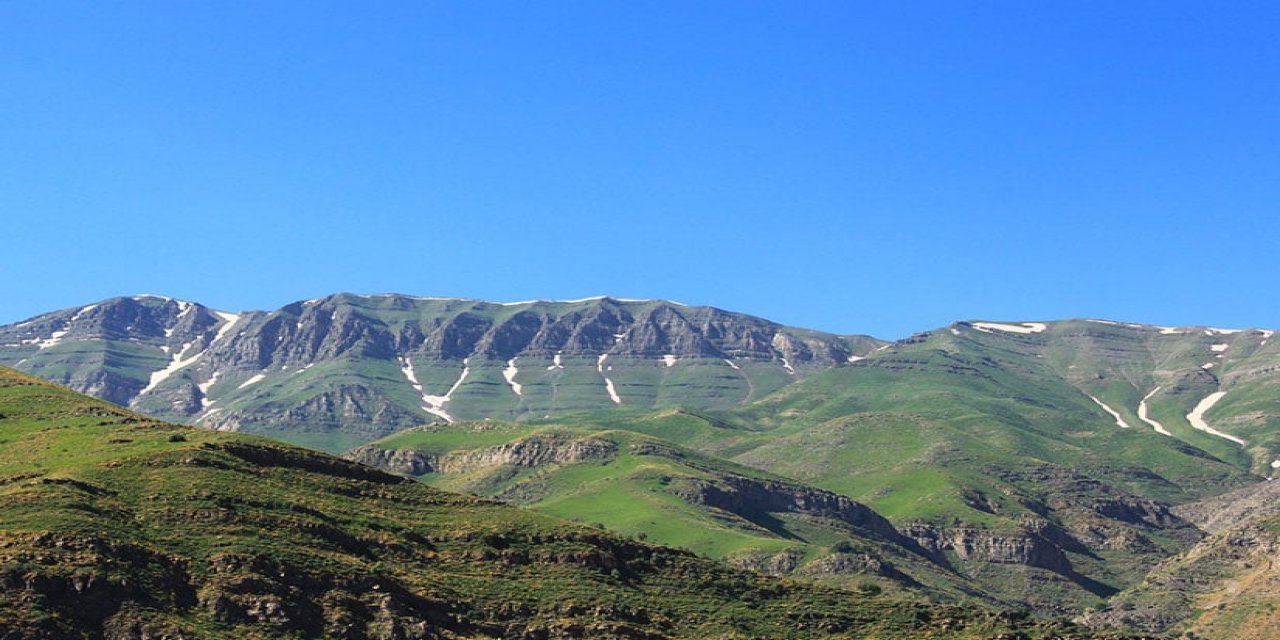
642, 490
958, 430
108, 519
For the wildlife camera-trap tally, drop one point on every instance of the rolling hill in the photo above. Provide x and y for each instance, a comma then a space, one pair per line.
114, 525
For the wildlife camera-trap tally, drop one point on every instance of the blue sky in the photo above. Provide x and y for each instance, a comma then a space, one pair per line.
851, 166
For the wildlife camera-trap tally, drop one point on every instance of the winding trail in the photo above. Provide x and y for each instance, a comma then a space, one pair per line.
1196, 418
1145, 415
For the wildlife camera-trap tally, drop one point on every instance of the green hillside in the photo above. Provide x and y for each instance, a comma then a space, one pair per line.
984, 444
113, 525
652, 489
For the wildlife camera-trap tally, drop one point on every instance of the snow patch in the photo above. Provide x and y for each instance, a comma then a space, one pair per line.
229, 320
955, 332
82, 311
54, 339
1196, 418
732, 365
1275, 464
510, 375
555, 362
608, 384
1219, 348
1025, 327
856, 358
204, 389
1170, 331
254, 380
1222, 332
1114, 414
1131, 325
669, 360
787, 365
178, 362
1207, 365
1145, 415
434, 405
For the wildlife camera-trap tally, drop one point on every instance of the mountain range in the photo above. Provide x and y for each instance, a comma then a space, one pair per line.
1061, 466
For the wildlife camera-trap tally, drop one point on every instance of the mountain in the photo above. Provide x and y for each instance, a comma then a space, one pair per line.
337, 371
1043, 463
121, 527
655, 490
1000, 445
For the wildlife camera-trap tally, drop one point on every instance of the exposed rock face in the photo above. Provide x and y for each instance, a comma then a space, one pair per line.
370, 365
1249, 504
981, 545
751, 498
534, 451
408, 462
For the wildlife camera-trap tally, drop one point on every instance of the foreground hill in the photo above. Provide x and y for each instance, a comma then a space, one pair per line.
116, 526
336, 371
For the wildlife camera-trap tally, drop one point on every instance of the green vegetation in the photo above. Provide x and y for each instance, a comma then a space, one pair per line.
115, 524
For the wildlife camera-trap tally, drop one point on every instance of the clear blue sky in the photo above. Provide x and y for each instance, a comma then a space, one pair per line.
870, 167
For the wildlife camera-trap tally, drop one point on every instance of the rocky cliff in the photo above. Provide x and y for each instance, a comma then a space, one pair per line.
359, 367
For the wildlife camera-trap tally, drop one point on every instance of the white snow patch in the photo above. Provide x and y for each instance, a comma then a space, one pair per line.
732, 365
510, 375
82, 311
608, 384
955, 332
1222, 332
555, 362
856, 358
669, 360
54, 339
1170, 331
590, 299
204, 389
882, 348
1219, 348
230, 320
1196, 418
1025, 327
1275, 464
1208, 365
254, 380
143, 296
178, 362
787, 365
1131, 325
309, 366
617, 337
1114, 414
1145, 415
434, 405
